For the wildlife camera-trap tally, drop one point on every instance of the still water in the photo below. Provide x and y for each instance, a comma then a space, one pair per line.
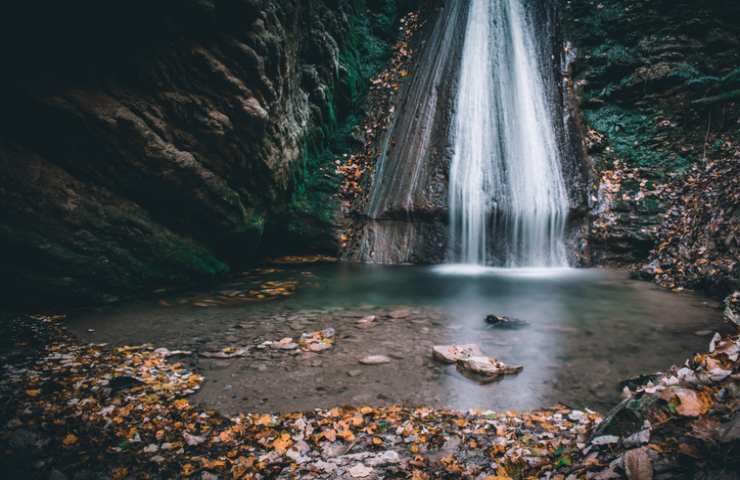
587, 331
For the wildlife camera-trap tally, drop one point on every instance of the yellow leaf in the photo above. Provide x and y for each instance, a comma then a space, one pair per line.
212, 464
263, 420
181, 404
357, 420
70, 439
187, 470
33, 392
282, 443
346, 435
119, 473
225, 436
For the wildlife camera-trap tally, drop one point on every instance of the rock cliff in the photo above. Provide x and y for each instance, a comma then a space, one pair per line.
658, 85
150, 144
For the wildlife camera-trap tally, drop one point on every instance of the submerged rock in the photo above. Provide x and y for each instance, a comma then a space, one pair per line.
471, 361
502, 321
486, 369
454, 353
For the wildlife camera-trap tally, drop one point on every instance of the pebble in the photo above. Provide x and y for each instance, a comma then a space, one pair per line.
375, 360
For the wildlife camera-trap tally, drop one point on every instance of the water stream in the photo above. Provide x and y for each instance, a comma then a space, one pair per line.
506, 185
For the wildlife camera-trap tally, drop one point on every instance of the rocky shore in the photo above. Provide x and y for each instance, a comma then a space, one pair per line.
79, 410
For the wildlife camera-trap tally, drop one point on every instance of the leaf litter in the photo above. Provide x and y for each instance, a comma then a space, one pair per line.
148, 428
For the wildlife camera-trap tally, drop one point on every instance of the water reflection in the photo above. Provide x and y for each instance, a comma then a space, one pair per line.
588, 329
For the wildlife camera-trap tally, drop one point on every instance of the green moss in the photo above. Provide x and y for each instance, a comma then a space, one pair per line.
732, 78
366, 45
196, 259
366, 48
604, 18
613, 53
631, 136
686, 71
704, 81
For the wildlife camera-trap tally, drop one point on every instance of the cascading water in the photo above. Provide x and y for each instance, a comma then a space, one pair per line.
505, 176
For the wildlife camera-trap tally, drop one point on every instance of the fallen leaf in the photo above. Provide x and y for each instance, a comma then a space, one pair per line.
70, 439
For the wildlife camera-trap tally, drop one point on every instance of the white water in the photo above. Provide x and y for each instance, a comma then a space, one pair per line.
506, 183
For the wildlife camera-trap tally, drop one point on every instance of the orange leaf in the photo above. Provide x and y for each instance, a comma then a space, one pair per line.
70, 439
263, 420
187, 470
346, 435
282, 443
119, 473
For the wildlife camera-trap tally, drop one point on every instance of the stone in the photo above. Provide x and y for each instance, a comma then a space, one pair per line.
638, 439
286, 343
367, 321
57, 475
23, 439
388, 457
504, 322
605, 440
487, 368
453, 353
731, 313
399, 314
375, 360
730, 432
360, 471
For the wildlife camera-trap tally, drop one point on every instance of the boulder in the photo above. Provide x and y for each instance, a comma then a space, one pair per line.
486, 369
502, 321
454, 353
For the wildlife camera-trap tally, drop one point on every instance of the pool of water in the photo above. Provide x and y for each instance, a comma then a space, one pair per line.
587, 331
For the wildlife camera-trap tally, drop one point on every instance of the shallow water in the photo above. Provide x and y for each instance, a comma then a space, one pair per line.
588, 330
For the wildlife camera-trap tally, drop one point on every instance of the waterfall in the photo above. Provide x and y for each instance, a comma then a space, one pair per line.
506, 189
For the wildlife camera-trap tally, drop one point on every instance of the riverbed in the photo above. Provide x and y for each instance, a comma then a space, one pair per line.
586, 331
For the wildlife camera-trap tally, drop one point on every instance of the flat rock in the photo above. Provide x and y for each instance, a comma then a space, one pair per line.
360, 471
375, 360
367, 321
488, 368
400, 313
286, 343
455, 353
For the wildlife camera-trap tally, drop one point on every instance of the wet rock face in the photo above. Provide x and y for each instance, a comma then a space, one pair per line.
657, 87
135, 157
